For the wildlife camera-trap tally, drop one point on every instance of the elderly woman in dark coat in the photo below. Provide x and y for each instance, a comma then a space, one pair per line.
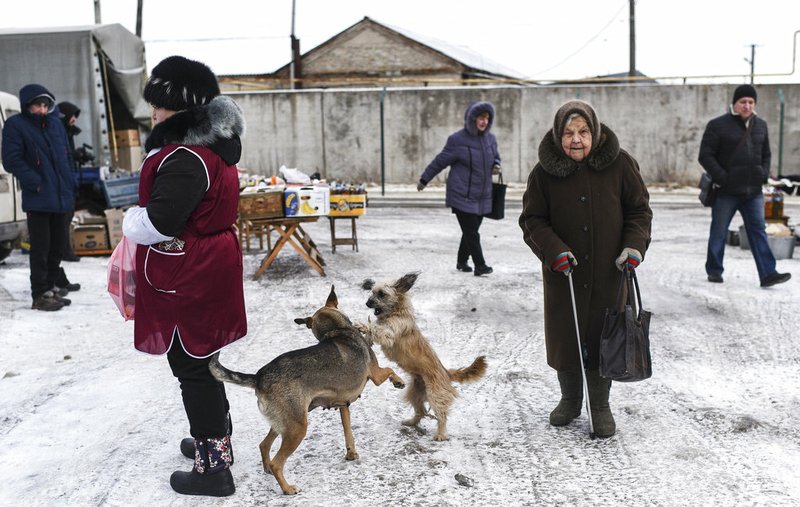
586, 210
472, 156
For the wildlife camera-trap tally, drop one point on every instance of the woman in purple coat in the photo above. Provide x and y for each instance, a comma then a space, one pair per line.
472, 156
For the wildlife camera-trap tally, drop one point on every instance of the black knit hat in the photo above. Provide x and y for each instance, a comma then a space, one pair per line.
744, 90
178, 83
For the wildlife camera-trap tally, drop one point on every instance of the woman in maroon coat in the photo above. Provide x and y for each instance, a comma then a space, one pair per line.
586, 211
189, 292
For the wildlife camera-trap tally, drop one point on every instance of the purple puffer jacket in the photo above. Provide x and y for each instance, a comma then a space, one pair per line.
471, 156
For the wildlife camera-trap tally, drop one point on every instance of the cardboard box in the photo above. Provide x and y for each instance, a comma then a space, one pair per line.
129, 158
348, 205
261, 204
114, 218
306, 201
126, 138
89, 237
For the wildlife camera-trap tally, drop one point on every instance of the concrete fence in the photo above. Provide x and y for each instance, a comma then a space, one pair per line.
372, 135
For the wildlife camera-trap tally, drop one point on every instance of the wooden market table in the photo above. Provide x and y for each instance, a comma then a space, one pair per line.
290, 232
344, 240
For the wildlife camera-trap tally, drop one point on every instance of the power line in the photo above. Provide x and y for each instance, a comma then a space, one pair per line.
614, 18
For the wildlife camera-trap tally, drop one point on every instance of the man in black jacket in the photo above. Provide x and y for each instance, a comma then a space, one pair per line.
735, 153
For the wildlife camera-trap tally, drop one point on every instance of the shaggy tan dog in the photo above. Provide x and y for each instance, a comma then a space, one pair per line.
397, 333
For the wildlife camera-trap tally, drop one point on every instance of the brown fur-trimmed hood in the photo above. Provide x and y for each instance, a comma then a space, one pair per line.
554, 161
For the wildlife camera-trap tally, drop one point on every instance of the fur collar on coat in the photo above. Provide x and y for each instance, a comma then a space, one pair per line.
555, 162
218, 125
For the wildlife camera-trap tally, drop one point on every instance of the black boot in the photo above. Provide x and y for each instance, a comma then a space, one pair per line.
211, 474
569, 407
602, 418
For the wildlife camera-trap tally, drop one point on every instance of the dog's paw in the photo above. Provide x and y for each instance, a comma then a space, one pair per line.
399, 384
351, 456
361, 327
291, 489
441, 438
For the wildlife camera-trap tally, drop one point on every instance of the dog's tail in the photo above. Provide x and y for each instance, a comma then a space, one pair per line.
471, 373
225, 375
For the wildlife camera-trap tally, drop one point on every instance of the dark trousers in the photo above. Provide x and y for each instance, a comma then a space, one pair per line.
752, 211
470, 245
203, 396
46, 234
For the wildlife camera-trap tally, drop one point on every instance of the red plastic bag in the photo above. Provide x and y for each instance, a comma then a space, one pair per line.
122, 277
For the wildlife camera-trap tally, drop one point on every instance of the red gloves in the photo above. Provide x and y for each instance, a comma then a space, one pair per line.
564, 263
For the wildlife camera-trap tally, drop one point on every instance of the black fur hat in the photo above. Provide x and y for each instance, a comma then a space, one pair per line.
178, 83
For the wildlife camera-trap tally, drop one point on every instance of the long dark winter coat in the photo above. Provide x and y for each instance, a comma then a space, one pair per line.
593, 209
36, 151
471, 156
190, 187
739, 171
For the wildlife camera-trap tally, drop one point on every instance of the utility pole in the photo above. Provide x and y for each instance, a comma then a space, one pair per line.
291, 62
632, 44
139, 18
752, 62
97, 18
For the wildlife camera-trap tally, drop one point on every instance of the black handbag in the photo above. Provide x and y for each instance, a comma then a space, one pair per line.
708, 190
625, 341
498, 200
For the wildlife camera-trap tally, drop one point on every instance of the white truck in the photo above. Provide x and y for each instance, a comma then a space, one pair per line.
12, 218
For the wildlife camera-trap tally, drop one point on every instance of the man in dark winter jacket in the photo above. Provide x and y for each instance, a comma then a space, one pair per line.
36, 152
735, 153
68, 113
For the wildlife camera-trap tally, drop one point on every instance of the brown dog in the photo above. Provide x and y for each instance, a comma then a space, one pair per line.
397, 333
330, 374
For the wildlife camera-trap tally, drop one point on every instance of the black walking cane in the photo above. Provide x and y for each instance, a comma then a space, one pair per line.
580, 355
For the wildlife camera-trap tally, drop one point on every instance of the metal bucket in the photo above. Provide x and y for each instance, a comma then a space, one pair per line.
782, 247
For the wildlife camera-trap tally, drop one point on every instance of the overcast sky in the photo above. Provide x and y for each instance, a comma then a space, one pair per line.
540, 39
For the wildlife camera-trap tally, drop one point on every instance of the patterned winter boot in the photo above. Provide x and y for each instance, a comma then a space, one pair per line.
602, 419
188, 448
211, 474
571, 398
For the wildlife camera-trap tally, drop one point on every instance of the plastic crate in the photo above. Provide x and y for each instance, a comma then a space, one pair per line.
89, 175
121, 191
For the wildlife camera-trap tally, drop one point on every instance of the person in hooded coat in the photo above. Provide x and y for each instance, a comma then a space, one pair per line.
68, 113
36, 152
585, 211
189, 288
473, 157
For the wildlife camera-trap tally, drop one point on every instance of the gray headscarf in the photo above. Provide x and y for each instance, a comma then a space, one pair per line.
577, 107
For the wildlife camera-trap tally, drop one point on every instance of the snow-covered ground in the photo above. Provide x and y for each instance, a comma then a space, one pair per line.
87, 420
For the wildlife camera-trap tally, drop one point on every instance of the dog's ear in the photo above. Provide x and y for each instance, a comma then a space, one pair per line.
306, 321
333, 301
368, 284
405, 283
